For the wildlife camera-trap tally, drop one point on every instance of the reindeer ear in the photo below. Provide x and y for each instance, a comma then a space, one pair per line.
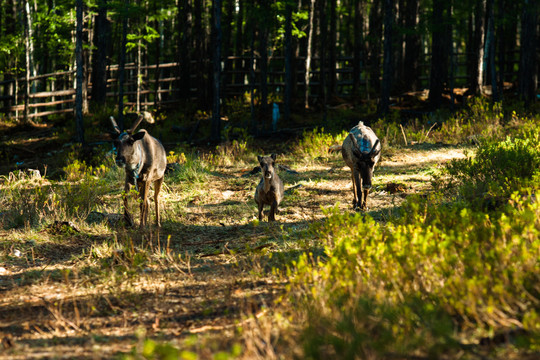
273, 156
259, 158
139, 135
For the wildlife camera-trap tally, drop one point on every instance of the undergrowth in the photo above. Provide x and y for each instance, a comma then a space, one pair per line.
443, 277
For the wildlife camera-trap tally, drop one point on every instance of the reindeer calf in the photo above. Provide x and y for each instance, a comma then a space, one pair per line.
145, 160
270, 188
361, 151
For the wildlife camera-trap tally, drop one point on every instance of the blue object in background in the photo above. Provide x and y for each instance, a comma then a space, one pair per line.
275, 116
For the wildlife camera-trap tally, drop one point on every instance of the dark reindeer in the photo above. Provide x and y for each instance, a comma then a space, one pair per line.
145, 161
361, 151
270, 188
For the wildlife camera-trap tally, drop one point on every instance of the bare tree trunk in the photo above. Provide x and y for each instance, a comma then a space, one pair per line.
438, 62
412, 47
528, 63
99, 67
239, 78
308, 55
216, 119
254, 127
29, 51
79, 124
139, 60
323, 29
358, 45
490, 46
477, 66
386, 85
288, 60
263, 51
375, 34
333, 51
185, 49
122, 67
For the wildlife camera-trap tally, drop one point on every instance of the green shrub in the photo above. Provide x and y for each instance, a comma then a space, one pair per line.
317, 143
480, 119
499, 167
421, 284
191, 170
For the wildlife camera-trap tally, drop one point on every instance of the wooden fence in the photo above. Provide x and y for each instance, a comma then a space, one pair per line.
55, 93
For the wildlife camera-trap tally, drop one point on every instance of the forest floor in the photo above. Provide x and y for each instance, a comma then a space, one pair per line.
95, 291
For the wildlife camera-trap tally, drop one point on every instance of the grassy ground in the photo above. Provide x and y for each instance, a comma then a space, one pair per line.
85, 289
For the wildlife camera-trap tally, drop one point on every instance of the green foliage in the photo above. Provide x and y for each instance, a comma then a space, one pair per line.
480, 119
416, 284
499, 167
317, 143
191, 169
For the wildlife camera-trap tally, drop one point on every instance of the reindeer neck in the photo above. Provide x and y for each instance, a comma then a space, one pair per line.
267, 183
136, 171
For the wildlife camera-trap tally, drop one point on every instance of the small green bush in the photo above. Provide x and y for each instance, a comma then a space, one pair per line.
317, 143
499, 167
417, 286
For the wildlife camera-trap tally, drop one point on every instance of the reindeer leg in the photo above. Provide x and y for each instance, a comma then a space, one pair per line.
357, 189
353, 189
364, 200
273, 208
260, 205
144, 204
127, 216
157, 188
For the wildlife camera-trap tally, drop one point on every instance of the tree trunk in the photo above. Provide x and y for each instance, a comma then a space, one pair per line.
386, 85
29, 52
198, 50
333, 51
251, 72
528, 63
308, 54
374, 46
185, 48
490, 46
99, 66
477, 51
228, 18
412, 47
288, 60
79, 124
438, 54
139, 83
323, 30
263, 51
239, 45
358, 46
122, 66
216, 119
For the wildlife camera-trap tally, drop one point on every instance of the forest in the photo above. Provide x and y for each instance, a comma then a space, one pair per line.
442, 261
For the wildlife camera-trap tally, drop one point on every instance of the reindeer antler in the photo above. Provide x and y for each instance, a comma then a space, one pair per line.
372, 152
141, 117
115, 125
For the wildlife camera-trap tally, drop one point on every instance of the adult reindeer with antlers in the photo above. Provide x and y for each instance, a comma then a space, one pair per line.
145, 160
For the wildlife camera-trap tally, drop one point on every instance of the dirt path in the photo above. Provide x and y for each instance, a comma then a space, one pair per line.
96, 293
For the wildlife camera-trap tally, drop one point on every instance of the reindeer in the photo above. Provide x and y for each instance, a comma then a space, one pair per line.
270, 188
144, 159
361, 151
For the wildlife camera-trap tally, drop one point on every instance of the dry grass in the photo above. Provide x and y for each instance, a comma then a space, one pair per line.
98, 292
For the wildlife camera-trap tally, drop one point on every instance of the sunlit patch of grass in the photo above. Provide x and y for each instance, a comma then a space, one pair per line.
317, 143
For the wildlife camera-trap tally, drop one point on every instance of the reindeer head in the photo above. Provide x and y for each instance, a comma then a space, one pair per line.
267, 166
127, 153
365, 161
